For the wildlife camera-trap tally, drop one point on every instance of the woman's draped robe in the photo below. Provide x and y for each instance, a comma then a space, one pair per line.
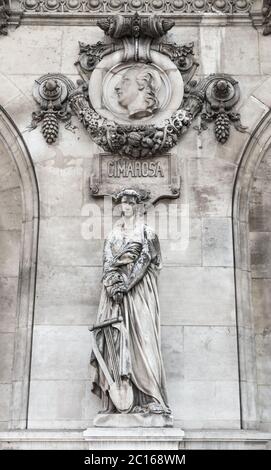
136, 259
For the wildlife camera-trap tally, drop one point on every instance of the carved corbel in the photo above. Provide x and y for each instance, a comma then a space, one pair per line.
51, 92
266, 11
4, 16
135, 26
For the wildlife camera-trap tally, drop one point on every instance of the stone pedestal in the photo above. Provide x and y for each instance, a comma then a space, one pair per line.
137, 438
133, 420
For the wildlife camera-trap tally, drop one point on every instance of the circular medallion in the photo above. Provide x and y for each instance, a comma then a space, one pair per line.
136, 92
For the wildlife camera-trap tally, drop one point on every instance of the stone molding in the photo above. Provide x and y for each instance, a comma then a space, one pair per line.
142, 6
77, 440
86, 12
18, 151
254, 150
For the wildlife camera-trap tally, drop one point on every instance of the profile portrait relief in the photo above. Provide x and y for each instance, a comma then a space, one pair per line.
137, 91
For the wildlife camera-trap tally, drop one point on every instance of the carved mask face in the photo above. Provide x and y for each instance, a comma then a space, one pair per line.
128, 206
127, 89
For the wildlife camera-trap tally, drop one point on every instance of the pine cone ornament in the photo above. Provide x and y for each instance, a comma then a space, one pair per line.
222, 127
50, 127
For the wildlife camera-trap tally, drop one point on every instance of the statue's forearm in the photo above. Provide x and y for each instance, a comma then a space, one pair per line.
139, 270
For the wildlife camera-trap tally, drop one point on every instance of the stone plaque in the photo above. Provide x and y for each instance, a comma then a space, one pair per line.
157, 175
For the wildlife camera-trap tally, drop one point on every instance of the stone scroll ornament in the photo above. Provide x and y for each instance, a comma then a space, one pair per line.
137, 95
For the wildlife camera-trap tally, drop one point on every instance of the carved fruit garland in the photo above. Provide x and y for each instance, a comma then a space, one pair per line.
214, 97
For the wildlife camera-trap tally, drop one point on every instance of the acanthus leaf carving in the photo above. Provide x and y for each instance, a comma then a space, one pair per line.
181, 56
90, 55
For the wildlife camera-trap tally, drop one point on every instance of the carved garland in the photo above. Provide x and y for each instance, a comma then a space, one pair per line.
131, 141
213, 97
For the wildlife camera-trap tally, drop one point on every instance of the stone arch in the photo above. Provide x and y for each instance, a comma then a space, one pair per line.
18, 162
254, 152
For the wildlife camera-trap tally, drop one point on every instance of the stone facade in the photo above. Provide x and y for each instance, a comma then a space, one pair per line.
214, 289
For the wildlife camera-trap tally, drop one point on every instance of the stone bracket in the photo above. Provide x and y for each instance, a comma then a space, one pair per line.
9, 17
4, 16
266, 11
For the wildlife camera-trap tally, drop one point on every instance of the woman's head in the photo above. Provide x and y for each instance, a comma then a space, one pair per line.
129, 199
128, 205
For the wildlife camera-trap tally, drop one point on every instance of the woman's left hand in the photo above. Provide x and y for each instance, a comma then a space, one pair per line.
120, 288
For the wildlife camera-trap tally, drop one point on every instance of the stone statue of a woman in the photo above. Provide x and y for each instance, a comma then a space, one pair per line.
128, 368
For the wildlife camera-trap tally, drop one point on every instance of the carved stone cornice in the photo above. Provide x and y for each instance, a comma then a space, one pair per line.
86, 12
143, 6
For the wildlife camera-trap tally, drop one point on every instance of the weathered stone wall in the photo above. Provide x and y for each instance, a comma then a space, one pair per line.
260, 241
197, 284
10, 238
